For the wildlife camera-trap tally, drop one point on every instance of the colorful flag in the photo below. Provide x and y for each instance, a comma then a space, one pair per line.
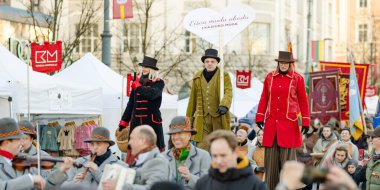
356, 109
290, 49
317, 50
122, 9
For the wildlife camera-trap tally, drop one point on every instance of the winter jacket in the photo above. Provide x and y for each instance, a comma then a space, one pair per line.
373, 174
241, 177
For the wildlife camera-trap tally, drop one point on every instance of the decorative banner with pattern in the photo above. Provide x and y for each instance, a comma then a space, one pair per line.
324, 95
243, 79
344, 68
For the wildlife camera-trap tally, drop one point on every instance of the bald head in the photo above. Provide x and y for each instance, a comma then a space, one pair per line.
142, 137
146, 132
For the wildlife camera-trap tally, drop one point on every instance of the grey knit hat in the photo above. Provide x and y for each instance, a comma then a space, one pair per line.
100, 134
9, 129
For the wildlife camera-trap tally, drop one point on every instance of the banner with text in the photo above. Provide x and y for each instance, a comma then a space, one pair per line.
243, 79
207, 23
46, 58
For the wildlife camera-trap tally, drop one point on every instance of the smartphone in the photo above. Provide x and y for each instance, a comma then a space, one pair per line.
312, 174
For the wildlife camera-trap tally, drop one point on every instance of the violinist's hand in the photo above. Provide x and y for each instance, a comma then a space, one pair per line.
38, 181
92, 166
109, 184
67, 164
79, 177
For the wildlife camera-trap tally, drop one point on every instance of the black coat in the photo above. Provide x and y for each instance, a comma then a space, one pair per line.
232, 179
143, 108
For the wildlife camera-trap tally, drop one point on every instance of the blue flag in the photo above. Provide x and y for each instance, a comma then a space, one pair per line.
356, 109
376, 120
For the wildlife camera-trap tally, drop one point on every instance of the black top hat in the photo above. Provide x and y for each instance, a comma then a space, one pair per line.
285, 56
211, 53
180, 124
9, 129
149, 62
27, 128
100, 134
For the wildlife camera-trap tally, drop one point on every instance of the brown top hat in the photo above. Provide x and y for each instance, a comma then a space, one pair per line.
285, 56
180, 124
100, 134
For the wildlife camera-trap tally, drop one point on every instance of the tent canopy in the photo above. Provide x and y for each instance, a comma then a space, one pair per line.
5, 88
48, 95
89, 71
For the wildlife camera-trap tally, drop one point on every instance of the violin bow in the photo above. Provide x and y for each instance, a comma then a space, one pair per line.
38, 150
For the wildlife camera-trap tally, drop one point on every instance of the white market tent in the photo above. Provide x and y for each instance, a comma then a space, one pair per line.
244, 100
5, 104
48, 95
90, 71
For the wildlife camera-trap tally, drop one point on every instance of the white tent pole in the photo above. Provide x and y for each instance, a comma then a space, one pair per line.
28, 86
221, 64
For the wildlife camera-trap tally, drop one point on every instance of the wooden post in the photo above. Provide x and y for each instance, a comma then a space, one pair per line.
221, 65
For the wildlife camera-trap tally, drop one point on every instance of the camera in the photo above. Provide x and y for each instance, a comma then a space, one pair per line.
312, 174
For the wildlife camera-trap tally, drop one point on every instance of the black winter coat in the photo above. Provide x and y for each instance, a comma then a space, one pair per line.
143, 108
233, 179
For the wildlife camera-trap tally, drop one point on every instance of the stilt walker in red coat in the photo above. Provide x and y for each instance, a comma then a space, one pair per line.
283, 97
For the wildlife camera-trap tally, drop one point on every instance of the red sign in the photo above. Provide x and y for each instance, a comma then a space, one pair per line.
344, 68
46, 58
243, 79
122, 9
370, 91
129, 82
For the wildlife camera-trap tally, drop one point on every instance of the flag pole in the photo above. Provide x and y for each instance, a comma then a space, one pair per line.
221, 66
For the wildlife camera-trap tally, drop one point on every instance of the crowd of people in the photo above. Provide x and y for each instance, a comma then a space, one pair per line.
280, 150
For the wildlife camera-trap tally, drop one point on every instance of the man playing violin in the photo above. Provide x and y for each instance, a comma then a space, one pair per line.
95, 163
10, 144
27, 147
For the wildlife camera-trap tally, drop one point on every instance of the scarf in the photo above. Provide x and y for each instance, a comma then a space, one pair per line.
243, 143
6, 154
100, 159
208, 75
181, 153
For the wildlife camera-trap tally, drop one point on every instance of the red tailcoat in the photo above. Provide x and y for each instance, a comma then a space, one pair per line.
283, 97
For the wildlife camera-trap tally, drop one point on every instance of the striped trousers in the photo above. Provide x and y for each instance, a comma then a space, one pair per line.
275, 157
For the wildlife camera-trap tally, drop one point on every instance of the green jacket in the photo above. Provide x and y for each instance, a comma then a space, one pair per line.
195, 108
373, 174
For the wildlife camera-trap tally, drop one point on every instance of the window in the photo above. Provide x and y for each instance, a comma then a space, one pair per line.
90, 40
362, 3
363, 32
190, 42
259, 37
132, 37
36, 5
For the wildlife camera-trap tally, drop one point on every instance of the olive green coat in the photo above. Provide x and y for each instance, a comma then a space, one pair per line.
372, 174
195, 108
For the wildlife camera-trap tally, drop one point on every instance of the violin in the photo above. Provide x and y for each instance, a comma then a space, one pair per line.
22, 162
93, 156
